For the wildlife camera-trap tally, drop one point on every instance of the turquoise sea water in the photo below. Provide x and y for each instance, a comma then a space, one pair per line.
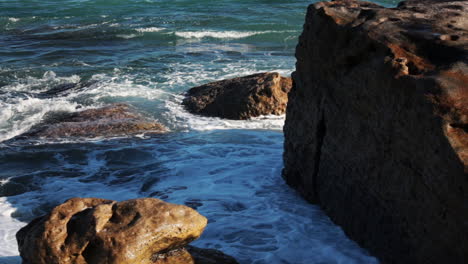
146, 53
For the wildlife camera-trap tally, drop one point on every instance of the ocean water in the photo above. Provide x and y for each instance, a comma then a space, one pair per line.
147, 53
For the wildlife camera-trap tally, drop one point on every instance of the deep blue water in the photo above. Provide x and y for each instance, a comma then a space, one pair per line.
146, 53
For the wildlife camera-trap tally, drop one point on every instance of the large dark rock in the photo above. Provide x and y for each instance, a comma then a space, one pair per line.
377, 122
240, 98
113, 120
139, 231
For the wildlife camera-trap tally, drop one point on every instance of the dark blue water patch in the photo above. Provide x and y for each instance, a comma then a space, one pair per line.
10, 260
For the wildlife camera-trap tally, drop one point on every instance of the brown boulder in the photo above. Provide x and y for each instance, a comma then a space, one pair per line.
91, 230
112, 120
376, 126
240, 98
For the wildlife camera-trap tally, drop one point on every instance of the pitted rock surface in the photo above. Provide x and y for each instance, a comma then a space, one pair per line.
91, 230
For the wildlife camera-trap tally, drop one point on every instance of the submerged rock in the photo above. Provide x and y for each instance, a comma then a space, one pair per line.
210, 256
176, 256
377, 122
92, 230
65, 89
108, 121
240, 98
193, 255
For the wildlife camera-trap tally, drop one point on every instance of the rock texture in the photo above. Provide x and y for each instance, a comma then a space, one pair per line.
91, 230
240, 98
377, 122
113, 120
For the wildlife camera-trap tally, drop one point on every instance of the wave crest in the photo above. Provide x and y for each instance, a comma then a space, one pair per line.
149, 29
220, 34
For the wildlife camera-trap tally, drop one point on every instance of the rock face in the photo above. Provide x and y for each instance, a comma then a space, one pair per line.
377, 122
91, 230
113, 120
240, 98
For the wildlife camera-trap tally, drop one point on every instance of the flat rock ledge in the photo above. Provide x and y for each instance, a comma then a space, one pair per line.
240, 98
376, 127
99, 231
109, 121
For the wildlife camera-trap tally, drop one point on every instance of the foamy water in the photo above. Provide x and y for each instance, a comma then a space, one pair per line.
150, 29
232, 177
180, 118
219, 34
8, 230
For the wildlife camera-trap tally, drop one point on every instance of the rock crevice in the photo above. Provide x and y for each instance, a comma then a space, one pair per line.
321, 132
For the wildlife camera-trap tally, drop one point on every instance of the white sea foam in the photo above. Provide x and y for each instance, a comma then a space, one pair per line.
13, 19
18, 116
48, 79
127, 36
180, 118
193, 74
197, 74
150, 29
20, 113
219, 34
8, 229
121, 86
86, 26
